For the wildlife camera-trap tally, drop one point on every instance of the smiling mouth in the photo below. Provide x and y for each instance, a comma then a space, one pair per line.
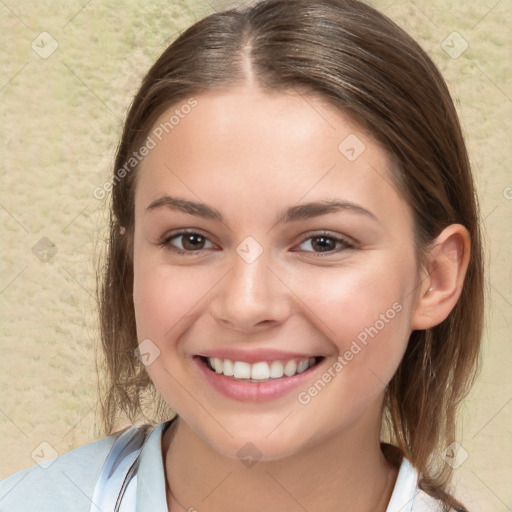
262, 371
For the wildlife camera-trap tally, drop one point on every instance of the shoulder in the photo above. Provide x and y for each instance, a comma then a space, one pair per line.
63, 483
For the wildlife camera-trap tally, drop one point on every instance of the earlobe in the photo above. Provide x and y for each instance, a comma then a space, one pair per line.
446, 265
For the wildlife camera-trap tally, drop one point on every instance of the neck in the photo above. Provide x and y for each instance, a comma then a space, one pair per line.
347, 472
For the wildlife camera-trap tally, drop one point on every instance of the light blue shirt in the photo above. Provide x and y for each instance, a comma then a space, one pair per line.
67, 482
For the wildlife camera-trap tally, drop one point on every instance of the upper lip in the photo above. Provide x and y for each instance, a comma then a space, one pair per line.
255, 355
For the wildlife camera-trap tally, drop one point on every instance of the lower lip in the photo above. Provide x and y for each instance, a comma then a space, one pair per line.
254, 391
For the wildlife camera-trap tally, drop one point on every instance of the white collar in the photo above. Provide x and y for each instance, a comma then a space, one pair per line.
405, 489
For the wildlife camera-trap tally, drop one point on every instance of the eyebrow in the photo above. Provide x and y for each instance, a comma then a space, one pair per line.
292, 214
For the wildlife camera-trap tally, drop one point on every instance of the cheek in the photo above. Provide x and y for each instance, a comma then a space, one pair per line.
366, 313
161, 299
167, 298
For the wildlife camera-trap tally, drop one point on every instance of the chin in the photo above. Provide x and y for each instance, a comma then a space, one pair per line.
252, 450
261, 442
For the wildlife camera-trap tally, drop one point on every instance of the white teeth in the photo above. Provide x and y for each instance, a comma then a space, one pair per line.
261, 370
228, 368
217, 364
303, 366
276, 369
290, 368
241, 370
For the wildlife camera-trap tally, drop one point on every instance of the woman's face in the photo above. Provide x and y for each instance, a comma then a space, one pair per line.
297, 246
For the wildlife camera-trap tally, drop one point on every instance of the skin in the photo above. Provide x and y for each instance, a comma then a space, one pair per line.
250, 155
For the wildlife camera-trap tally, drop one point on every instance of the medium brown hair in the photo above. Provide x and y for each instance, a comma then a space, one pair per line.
360, 61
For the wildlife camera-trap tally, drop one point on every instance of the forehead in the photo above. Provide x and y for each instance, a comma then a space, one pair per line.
248, 147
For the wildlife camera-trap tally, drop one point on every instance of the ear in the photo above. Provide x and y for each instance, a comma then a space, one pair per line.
445, 265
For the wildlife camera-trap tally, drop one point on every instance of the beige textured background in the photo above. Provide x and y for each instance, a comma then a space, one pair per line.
61, 114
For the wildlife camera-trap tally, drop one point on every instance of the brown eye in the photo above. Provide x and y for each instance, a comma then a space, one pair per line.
193, 242
325, 244
186, 242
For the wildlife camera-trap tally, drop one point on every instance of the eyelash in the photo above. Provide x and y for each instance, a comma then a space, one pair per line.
346, 244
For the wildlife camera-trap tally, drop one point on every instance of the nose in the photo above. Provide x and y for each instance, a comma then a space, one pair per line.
252, 297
